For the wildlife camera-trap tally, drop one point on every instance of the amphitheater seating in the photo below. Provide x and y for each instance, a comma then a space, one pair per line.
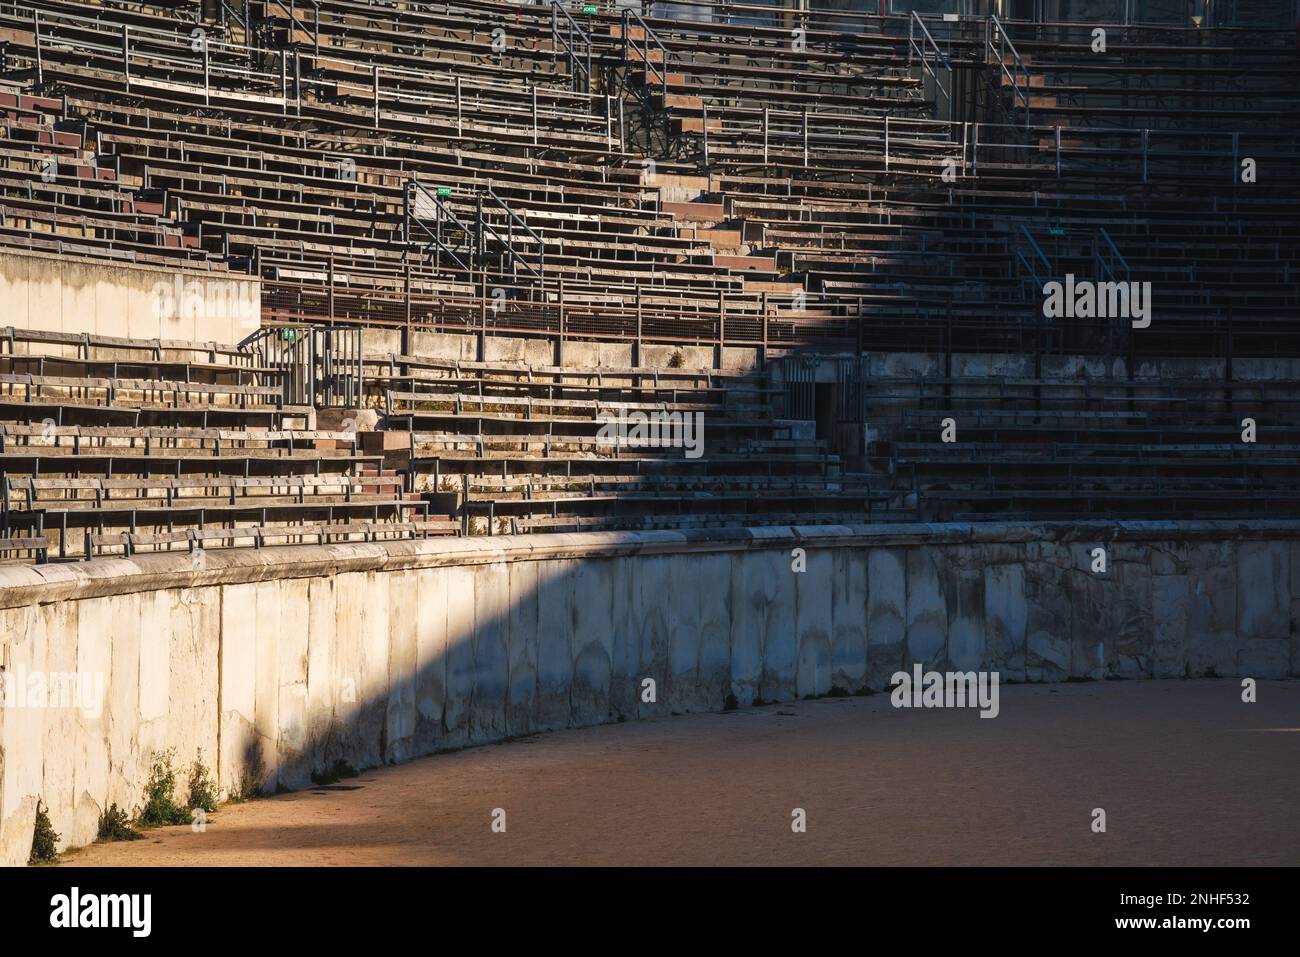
99, 462
1034, 447
514, 447
1155, 77
842, 181
96, 462
846, 204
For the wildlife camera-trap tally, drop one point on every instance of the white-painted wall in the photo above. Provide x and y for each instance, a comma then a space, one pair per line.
289, 659
67, 294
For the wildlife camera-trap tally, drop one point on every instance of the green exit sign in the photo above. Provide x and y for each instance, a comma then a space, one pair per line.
1057, 231
444, 190
589, 9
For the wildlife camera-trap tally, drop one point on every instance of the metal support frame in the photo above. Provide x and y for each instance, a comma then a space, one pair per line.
470, 254
568, 35
650, 42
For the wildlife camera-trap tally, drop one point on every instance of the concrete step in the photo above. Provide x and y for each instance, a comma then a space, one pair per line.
779, 287
710, 213
656, 79
757, 263
1034, 81
680, 100
637, 55
675, 180
694, 124
720, 238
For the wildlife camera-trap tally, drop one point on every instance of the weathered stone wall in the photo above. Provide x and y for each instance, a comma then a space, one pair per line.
278, 662
67, 294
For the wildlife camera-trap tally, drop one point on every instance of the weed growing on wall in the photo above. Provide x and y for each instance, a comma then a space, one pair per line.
203, 790
115, 825
160, 807
44, 838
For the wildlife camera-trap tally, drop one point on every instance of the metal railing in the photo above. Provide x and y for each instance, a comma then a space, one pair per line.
516, 259
1036, 255
222, 69
999, 52
1110, 262
294, 22
649, 39
925, 48
470, 254
320, 366
576, 44
462, 254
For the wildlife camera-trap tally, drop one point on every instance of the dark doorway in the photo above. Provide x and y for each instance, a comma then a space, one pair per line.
826, 409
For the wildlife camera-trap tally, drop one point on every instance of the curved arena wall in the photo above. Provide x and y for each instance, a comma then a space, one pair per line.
279, 662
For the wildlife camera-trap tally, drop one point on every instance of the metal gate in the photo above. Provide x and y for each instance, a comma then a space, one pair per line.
801, 387
853, 394
317, 367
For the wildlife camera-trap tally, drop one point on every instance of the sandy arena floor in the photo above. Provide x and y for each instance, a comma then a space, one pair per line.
1186, 772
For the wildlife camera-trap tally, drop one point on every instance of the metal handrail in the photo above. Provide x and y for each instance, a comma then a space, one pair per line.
575, 59
999, 52
921, 51
441, 209
1038, 250
650, 36
513, 217
294, 21
1104, 261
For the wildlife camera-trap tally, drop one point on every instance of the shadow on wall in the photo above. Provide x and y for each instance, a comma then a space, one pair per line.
394, 665
370, 661
374, 667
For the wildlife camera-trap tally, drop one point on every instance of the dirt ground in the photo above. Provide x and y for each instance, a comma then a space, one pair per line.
1186, 773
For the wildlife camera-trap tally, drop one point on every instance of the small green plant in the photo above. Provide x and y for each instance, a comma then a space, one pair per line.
44, 839
115, 825
160, 807
203, 790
